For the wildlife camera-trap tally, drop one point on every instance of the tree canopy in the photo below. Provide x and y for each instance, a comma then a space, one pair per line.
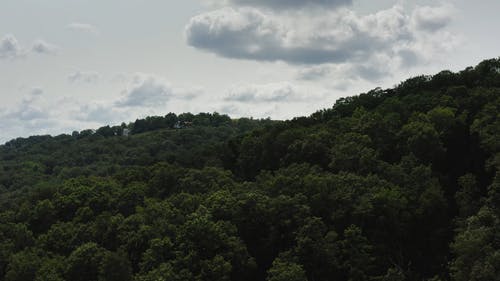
394, 184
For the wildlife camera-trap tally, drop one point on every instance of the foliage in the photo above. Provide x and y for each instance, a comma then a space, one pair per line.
395, 184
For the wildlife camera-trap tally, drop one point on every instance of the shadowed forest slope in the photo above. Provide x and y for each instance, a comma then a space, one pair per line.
395, 184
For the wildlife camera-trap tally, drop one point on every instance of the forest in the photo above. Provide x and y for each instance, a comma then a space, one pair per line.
389, 185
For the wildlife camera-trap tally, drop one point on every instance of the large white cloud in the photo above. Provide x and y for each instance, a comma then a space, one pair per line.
327, 37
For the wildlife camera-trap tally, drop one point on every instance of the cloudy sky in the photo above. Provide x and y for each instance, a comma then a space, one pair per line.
71, 65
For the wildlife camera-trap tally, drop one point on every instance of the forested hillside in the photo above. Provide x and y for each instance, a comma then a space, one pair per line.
395, 184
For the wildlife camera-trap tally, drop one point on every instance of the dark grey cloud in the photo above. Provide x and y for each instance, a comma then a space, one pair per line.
334, 37
340, 37
288, 4
253, 35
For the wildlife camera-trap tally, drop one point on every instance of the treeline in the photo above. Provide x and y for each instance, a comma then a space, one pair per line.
25, 161
169, 121
395, 184
152, 123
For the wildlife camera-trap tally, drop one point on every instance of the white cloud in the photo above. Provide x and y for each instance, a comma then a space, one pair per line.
282, 100
372, 70
145, 95
30, 114
262, 93
83, 76
146, 90
314, 72
10, 48
150, 90
100, 113
36, 114
83, 27
149, 94
31, 107
42, 47
284, 4
432, 18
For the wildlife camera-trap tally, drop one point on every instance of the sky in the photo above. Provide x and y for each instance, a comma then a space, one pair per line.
79, 64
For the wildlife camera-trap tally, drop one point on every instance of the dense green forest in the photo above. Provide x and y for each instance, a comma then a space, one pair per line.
394, 184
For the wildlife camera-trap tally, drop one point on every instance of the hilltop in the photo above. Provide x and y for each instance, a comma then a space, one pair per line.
393, 184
